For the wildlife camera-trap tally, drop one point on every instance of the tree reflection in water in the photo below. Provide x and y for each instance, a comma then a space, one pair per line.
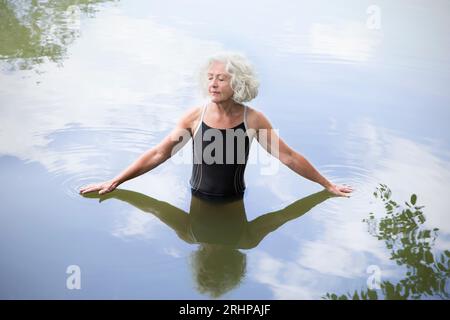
411, 246
33, 32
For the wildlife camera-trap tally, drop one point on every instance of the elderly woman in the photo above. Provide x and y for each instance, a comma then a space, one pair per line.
218, 170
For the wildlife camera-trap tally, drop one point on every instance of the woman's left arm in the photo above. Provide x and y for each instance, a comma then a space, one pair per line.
273, 144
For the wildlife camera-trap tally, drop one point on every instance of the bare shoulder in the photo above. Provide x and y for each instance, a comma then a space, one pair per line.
190, 118
256, 119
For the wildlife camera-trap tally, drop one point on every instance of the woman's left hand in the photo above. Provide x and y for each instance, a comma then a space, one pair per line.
340, 190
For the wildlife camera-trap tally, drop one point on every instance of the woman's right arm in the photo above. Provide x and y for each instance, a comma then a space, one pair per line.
152, 158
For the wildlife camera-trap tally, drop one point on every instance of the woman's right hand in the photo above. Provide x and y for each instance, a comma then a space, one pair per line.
102, 187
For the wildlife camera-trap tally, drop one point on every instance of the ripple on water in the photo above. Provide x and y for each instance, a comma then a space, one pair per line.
363, 182
77, 156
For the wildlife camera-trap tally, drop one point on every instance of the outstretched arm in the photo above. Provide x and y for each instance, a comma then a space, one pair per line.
171, 144
273, 144
260, 227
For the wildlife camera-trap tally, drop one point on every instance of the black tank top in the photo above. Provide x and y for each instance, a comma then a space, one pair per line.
220, 157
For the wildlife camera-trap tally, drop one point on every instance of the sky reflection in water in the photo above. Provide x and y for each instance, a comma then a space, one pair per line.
86, 88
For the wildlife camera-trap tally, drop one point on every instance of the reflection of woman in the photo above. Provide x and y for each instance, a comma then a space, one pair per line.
218, 169
220, 228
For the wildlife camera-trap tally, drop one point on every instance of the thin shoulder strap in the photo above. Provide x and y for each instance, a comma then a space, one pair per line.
250, 132
201, 118
245, 117
204, 110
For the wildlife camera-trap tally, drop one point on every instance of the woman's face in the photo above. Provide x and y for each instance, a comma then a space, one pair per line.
219, 83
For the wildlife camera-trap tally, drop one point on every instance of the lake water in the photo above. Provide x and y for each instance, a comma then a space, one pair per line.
360, 88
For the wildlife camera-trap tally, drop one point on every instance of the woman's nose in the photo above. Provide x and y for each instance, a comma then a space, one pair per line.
213, 83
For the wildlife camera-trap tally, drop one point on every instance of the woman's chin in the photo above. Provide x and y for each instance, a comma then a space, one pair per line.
216, 99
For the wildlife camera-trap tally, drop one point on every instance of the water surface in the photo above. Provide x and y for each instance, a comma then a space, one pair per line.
87, 86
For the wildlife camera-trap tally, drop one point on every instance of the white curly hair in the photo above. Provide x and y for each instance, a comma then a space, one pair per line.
243, 77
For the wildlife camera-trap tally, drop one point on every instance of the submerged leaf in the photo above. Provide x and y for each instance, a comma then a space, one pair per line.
413, 199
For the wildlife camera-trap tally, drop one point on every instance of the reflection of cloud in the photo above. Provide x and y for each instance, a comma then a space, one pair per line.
442, 244
173, 252
277, 183
342, 247
340, 261
132, 86
137, 225
348, 41
165, 185
320, 266
287, 280
407, 167
170, 183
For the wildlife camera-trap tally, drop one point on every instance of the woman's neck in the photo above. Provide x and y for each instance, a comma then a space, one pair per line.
227, 108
